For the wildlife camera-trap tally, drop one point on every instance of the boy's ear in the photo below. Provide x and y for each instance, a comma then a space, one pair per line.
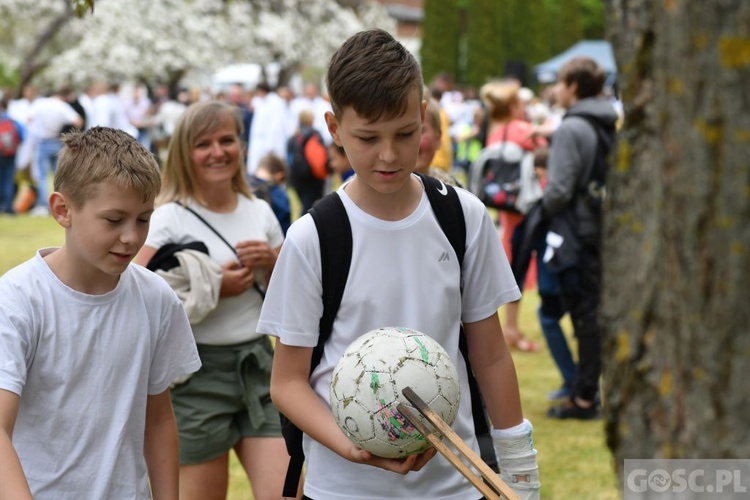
333, 127
60, 208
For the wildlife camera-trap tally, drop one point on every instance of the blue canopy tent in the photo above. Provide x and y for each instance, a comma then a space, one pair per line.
599, 50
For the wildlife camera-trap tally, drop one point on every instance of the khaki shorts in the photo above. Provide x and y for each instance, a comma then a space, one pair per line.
226, 400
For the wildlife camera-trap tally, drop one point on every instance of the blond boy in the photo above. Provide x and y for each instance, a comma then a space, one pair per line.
90, 343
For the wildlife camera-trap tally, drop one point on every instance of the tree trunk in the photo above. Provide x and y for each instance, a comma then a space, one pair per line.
31, 66
675, 311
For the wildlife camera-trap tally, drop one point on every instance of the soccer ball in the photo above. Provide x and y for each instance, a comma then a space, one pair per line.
368, 380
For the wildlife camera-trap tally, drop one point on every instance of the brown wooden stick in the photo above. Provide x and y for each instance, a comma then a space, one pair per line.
490, 476
435, 441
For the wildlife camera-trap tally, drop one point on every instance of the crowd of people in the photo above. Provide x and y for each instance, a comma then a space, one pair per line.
151, 117
192, 188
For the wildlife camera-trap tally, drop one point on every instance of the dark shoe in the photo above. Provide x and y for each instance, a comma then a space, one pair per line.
562, 393
571, 410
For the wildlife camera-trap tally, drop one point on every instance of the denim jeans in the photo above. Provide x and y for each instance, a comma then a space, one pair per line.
550, 313
7, 184
45, 161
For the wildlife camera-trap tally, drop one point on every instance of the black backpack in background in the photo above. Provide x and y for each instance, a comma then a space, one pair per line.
335, 235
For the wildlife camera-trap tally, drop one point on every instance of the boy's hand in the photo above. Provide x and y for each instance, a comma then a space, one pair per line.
235, 279
413, 462
256, 254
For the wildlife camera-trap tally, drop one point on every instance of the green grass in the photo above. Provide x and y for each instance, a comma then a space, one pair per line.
573, 460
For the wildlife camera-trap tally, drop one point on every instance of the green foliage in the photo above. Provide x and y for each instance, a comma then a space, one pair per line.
83, 6
485, 54
473, 40
569, 20
8, 77
440, 38
593, 19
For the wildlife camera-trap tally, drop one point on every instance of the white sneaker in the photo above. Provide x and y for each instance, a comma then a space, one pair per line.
39, 211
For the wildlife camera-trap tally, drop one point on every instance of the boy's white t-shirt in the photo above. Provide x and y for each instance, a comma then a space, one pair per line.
84, 366
235, 318
399, 276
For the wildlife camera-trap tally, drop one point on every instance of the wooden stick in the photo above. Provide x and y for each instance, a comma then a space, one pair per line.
490, 476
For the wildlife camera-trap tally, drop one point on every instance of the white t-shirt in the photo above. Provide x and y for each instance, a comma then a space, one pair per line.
399, 276
235, 318
49, 115
84, 366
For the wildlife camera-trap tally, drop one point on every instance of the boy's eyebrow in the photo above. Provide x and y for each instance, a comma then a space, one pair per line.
117, 211
371, 131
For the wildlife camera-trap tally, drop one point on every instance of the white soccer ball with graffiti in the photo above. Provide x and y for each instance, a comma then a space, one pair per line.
367, 384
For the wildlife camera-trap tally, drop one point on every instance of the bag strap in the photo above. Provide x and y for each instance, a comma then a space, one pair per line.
605, 134
449, 214
335, 236
256, 287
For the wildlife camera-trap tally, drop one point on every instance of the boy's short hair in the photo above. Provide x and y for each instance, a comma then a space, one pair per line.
306, 118
541, 155
179, 175
432, 115
586, 73
104, 154
500, 97
373, 74
273, 164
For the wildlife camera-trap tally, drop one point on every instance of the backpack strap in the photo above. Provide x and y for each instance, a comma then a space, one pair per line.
335, 236
449, 214
605, 134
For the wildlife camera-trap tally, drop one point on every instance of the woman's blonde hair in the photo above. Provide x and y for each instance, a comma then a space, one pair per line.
178, 177
500, 97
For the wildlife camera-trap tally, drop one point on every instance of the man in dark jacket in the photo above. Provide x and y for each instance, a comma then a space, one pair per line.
572, 204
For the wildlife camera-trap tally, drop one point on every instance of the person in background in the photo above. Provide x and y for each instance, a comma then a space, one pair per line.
138, 112
429, 143
226, 405
49, 116
270, 127
572, 203
507, 123
308, 160
12, 134
338, 162
269, 182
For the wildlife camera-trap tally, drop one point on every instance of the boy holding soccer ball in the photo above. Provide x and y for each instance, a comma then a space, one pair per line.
403, 272
89, 343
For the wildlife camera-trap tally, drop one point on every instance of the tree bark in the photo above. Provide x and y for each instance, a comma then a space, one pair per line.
675, 309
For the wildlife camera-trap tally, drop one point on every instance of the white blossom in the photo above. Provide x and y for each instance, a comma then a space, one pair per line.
156, 39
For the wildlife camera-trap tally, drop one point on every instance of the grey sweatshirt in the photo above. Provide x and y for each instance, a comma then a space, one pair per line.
571, 159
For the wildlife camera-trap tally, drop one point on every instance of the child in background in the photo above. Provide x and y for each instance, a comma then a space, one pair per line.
269, 183
429, 143
89, 343
376, 93
338, 162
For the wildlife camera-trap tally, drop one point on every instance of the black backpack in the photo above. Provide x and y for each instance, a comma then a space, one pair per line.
495, 175
300, 171
335, 235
